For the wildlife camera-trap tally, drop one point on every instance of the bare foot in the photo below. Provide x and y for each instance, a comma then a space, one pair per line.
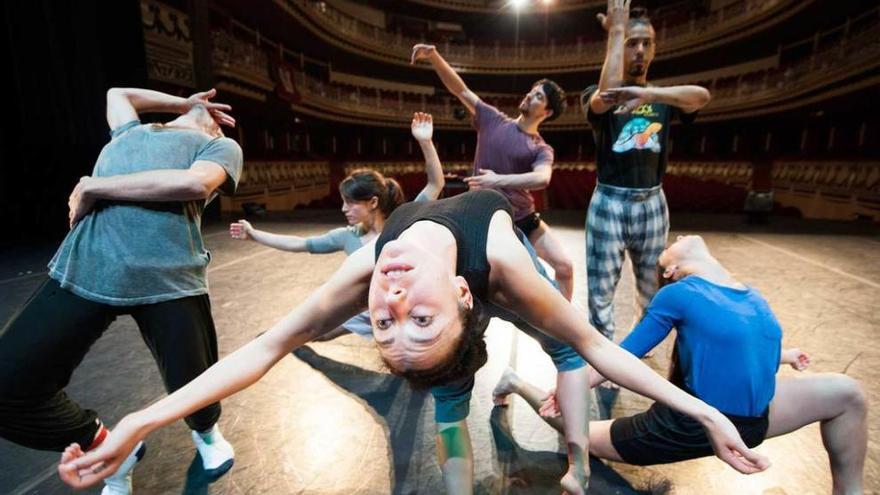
505, 387
575, 481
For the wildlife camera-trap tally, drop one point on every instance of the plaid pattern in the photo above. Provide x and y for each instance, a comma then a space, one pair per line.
623, 219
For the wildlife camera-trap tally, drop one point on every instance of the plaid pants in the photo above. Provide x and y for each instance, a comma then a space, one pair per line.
623, 219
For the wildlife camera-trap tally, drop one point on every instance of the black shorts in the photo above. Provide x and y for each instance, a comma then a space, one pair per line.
662, 435
529, 223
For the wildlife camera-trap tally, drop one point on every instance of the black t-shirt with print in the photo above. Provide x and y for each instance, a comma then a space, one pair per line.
631, 149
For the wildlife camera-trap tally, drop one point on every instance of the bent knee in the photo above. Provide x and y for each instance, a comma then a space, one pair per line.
852, 393
845, 391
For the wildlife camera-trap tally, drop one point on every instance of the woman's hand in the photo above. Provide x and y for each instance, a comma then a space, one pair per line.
80, 469
730, 448
241, 229
422, 126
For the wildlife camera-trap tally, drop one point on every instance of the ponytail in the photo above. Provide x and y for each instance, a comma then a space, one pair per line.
393, 197
364, 184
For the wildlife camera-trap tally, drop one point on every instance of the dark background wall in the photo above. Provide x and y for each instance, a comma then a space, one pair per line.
60, 56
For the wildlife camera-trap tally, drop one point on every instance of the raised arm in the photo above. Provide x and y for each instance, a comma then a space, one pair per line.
447, 74
688, 98
523, 292
423, 131
456, 457
614, 22
124, 105
341, 297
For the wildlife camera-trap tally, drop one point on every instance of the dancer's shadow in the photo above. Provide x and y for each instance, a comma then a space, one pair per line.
605, 399
399, 406
197, 479
402, 408
528, 472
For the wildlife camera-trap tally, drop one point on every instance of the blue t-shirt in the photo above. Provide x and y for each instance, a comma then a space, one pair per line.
728, 342
124, 252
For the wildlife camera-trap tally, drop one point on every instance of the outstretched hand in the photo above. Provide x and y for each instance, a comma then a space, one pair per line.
80, 469
240, 230
627, 97
422, 126
730, 448
422, 52
617, 14
217, 110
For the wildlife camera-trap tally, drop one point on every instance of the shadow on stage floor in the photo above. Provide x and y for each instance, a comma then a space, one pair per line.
518, 470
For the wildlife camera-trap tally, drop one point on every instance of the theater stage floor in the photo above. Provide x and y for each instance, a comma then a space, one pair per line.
329, 420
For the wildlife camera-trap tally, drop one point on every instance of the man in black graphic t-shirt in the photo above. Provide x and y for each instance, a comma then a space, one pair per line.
631, 148
630, 122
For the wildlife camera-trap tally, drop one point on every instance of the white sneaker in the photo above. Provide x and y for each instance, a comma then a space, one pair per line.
217, 454
120, 482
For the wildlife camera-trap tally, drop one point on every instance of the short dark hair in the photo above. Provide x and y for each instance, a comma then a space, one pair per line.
467, 356
639, 15
555, 97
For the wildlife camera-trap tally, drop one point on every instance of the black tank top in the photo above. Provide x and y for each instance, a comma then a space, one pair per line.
467, 216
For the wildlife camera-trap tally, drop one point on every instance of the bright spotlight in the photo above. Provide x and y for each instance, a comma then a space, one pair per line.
518, 4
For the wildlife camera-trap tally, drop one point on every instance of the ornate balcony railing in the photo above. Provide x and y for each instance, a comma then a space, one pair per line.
828, 72
720, 26
493, 6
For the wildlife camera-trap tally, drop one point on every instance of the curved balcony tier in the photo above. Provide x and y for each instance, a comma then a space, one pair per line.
734, 21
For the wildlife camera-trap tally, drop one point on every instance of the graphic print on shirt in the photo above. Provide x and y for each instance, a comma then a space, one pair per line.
639, 134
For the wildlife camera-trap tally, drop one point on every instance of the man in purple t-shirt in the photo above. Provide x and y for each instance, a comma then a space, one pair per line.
512, 157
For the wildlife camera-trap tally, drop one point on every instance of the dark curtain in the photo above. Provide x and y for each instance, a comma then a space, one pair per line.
60, 57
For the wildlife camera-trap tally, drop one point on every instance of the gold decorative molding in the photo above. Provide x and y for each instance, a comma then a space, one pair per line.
167, 44
827, 74
236, 59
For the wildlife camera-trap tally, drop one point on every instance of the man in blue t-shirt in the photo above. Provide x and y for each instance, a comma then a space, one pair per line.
630, 122
134, 247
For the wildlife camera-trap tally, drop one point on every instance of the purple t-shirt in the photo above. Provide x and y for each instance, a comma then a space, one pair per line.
505, 149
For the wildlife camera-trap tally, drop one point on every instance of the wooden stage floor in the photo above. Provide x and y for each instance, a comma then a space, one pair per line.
329, 420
